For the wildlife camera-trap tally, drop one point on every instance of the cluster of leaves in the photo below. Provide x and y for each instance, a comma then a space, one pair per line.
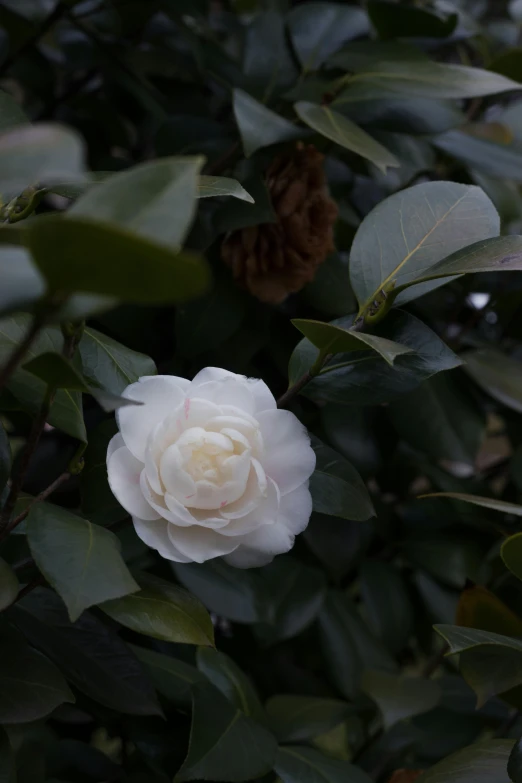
133, 136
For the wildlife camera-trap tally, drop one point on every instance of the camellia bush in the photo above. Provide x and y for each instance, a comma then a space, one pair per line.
260, 391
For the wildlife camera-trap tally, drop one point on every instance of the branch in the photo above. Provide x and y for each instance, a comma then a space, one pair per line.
38, 499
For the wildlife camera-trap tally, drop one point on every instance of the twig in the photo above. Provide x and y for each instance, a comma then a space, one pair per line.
38, 499
20, 351
24, 47
294, 390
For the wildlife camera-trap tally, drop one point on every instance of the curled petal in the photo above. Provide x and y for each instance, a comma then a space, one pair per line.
264, 400
288, 458
295, 509
123, 470
180, 516
155, 534
200, 543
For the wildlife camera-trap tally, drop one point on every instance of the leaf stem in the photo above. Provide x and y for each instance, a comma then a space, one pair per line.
314, 370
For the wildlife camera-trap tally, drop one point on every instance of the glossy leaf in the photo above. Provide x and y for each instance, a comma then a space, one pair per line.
481, 762
511, 552
82, 561
499, 375
97, 501
481, 609
222, 186
306, 765
31, 687
294, 718
155, 200
39, 154
387, 603
260, 126
353, 378
228, 678
224, 743
409, 21
347, 134
162, 610
400, 697
336, 487
411, 231
89, 653
319, 29
495, 505
55, 371
66, 411
113, 261
9, 586
499, 160
171, 677
23, 284
109, 364
334, 339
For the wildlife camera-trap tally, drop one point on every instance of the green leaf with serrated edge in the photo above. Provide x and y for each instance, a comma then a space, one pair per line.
411, 231
334, 339
294, 717
483, 762
9, 586
225, 744
307, 765
113, 261
162, 610
36, 154
398, 697
222, 186
476, 500
336, 487
233, 683
89, 653
31, 687
366, 380
171, 677
347, 134
260, 126
511, 553
155, 200
498, 374
82, 561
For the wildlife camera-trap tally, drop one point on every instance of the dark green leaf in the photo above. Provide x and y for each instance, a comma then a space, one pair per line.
31, 687
400, 697
319, 29
205, 323
236, 214
295, 718
499, 375
481, 762
354, 378
155, 200
164, 611
338, 543
109, 364
5, 457
348, 645
259, 126
438, 420
476, 500
409, 232
233, 683
172, 678
227, 591
39, 154
88, 653
347, 134
514, 766
334, 339
224, 743
267, 59
306, 765
7, 759
451, 559
98, 502
392, 21
66, 410
113, 261
387, 603
330, 290
511, 552
22, 283
11, 114
499, 160
80, 560
336, 487
222, 186
9, 585
55, 371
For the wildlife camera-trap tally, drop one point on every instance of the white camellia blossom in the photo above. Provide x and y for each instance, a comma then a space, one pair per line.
211, 468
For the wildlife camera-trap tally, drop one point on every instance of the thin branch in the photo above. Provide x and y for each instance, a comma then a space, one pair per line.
38, 499
314, 370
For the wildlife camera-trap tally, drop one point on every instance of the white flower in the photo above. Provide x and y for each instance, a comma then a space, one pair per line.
211, 468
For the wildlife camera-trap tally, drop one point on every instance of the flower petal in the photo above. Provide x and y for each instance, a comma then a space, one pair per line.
264, 400
155, 534
116, 442
123, 472
180, 516
256, 491
265, 513
295, 509
288, 459
200, 543
212, 374
260, 547
161, 395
